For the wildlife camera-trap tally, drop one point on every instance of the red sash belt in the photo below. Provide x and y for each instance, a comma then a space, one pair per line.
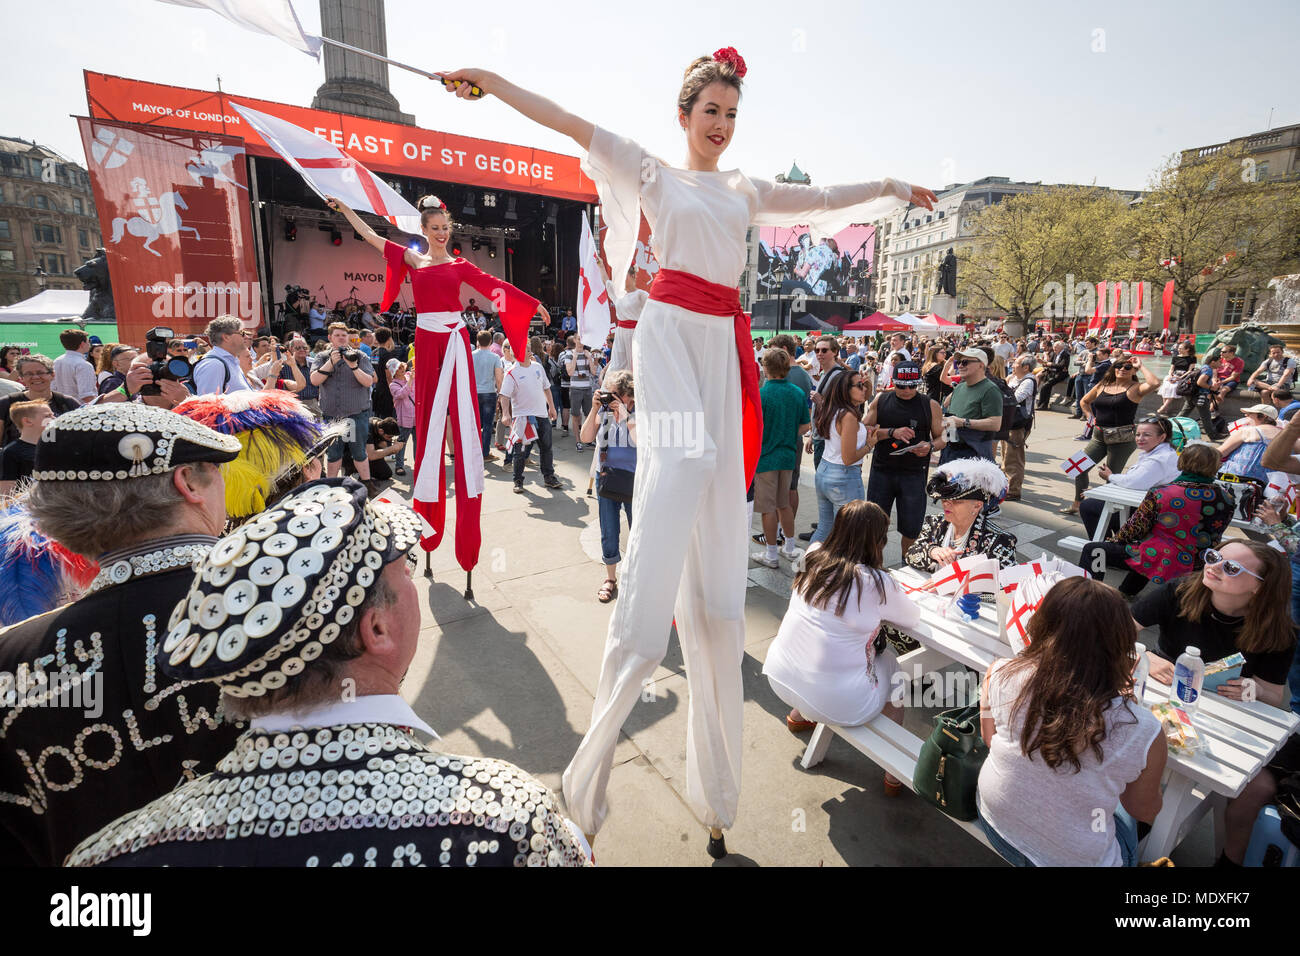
690, 292
626, 324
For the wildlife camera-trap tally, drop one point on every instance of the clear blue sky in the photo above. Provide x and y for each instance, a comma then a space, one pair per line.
931, 93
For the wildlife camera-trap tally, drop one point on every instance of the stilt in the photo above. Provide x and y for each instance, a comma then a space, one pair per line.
428, 564
469, 591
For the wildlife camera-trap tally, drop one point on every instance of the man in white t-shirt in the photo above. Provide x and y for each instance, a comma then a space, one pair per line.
897, 344
1005, 348
526, 398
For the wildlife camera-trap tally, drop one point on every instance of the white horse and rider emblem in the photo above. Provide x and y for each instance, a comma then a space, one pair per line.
157, 216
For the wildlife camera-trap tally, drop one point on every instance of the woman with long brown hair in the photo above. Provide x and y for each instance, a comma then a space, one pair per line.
1067, 741
848, 440
826, 661
1240, 603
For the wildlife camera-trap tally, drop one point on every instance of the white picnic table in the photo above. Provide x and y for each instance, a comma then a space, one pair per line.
1238, 738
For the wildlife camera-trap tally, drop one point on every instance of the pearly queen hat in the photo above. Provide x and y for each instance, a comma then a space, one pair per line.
125, 440
271, 594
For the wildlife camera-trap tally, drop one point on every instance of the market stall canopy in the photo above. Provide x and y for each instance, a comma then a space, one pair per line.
877, 322
52, 305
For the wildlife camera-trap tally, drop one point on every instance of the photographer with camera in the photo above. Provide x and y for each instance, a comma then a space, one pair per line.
344, 376
218, 372
611, 424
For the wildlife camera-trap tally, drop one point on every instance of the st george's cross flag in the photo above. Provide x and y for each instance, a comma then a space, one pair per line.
1239, 424
1077, 464
329, 171
272, 17
593, 300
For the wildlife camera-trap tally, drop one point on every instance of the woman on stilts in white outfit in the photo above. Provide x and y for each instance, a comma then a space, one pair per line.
700, 417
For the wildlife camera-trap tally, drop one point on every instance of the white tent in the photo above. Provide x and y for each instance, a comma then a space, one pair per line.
52, 304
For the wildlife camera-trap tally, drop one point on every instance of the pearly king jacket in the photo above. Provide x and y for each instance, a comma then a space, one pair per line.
365, 793
90, 728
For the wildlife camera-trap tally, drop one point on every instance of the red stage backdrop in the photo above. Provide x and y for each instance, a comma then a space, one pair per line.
173, 210
379, 146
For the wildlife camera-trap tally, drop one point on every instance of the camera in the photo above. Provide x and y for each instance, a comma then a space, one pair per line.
351, 355
161, 366
604, 397
294, 295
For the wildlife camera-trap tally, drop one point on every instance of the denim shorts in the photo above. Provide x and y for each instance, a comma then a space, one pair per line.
356, 444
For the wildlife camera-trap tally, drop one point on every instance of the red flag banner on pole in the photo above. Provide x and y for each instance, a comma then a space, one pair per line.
1137, 306
174, 213
1113, 309
1167, 302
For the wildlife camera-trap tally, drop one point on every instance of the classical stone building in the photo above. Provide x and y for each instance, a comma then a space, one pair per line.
48, 224
1275, 155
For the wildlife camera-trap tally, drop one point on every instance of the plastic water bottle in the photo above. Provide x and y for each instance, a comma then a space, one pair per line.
1140, 672
1189, 676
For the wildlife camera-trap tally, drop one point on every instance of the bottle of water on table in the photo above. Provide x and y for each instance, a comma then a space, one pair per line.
1189, 677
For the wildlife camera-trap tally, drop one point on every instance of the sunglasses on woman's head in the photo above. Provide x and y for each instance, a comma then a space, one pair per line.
1230, 568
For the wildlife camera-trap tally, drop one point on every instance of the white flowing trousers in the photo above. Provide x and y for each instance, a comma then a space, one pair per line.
686, 558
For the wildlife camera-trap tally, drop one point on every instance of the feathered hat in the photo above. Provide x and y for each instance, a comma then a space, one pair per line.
36, 572
968, 479
276, 432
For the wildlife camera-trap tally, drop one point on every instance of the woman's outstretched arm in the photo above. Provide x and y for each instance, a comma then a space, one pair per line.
356, 222
537, 108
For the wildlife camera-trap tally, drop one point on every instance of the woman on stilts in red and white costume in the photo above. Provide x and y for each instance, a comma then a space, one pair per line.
700, 417
444, 370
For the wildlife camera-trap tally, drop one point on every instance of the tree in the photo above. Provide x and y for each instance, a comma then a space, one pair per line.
1208, 225
1029, 242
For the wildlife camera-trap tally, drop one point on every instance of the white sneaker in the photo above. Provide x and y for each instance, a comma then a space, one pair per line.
762, 558
791, 554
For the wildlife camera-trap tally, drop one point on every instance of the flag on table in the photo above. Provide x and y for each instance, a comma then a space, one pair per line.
973, 574
272, 17
329, 171
1077, 464
593, 299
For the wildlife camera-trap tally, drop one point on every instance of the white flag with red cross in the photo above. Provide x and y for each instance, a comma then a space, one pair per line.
594, 320
522, 432
1077, 464
329, 171
973, 574
272, 17
1238, 424
1282, 485
1009, 579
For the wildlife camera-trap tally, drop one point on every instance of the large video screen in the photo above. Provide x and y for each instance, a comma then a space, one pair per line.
789, 261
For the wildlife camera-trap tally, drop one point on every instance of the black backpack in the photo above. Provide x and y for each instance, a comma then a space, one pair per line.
1013, 414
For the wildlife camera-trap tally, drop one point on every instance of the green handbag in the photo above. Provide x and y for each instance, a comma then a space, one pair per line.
948, 766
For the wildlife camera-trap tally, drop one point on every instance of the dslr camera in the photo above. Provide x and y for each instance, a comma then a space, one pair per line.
350, 355
296, 297
162, 366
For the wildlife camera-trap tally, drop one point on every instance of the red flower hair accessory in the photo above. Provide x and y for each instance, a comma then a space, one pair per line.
728, 54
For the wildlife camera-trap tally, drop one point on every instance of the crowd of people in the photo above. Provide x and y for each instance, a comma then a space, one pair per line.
202, 560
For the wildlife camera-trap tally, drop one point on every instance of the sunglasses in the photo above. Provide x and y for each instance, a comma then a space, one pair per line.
823, 350
1124, 368
1230, 568
962, 363
904, 385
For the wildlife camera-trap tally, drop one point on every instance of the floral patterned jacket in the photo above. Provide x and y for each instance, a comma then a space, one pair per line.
985, 538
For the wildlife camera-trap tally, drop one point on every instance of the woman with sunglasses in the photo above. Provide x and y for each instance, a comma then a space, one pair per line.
1167, 534
1156, 465
1111, 405
848, 439
1240, 604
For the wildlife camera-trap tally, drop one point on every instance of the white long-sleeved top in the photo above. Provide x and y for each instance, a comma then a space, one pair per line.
699, 219
826, 658
1159, 466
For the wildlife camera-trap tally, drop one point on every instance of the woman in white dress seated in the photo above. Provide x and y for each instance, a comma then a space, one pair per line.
827, 660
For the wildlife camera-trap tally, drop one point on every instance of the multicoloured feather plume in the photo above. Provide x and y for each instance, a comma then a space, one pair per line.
36, 573
276, 432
